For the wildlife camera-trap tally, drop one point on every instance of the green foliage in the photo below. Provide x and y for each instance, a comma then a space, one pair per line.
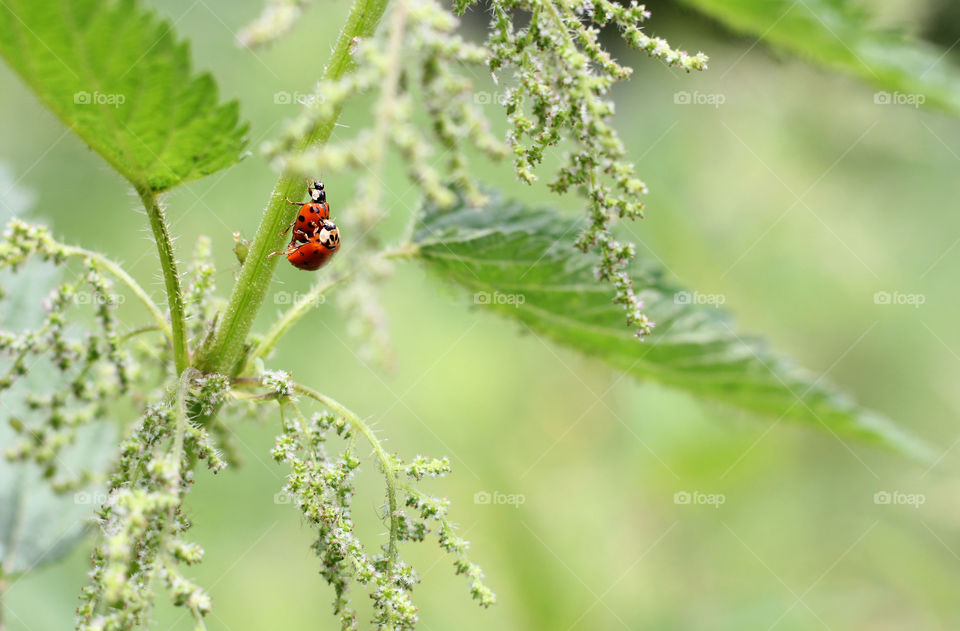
143, 541
39, 526
323, 489
227, 345
837, 34
564, 76
557, 76
518, 261
116, 76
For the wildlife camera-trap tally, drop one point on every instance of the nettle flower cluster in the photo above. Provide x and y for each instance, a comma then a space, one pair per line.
418, 71
320, 483
83, 372
143, 523
559, 76
562, 76
415, 66
277, 19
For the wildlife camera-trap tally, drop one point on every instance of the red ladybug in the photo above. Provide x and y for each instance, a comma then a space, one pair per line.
311, 213
317, 251
315, 238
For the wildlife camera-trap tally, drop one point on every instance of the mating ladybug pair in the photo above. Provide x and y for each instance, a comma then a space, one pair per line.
315, 238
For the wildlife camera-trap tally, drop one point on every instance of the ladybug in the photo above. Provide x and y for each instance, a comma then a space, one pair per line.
318, 249
310, 215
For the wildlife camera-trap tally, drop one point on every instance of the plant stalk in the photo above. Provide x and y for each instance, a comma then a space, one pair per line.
289, 318
168, 263
386, 462
120, 274
225, 353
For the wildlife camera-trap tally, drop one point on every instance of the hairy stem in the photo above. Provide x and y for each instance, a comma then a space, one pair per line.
289, 318
296, 312
168, 263
118, 272
225, 353
180, 401
386, 462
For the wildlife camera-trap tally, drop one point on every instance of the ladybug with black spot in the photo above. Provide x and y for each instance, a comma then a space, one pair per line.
311, 213
315, 238
316, 252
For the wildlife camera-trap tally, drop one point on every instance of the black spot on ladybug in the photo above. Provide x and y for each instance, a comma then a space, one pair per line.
300, 218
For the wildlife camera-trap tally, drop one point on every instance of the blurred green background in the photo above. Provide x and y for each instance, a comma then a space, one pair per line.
796, 200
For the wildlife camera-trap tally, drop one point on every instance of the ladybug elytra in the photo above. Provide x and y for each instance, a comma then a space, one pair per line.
311, 213
315, 238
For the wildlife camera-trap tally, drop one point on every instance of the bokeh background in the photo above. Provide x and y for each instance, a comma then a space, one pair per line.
796, 200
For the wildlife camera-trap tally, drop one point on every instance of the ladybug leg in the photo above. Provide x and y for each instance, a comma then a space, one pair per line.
289, 201
290, 250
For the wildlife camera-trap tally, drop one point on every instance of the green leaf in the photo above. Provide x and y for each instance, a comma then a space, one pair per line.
518, 261
38, 526
835, 34
115, 74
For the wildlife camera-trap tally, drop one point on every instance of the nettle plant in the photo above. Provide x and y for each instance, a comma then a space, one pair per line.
117, 77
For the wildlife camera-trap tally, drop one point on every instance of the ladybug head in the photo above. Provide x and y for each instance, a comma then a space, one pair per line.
329, 235
317, 193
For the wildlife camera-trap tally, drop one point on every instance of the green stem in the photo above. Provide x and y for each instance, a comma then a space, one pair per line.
180, 400
386, 462
289, 318
226, 351
168, 263
295, 313
126, 279
180, 429
198, 618
138, 331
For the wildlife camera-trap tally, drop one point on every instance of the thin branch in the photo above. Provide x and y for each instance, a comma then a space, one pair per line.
386, 461
168, 264
126, 279
289, 318
299, 309
224, 354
